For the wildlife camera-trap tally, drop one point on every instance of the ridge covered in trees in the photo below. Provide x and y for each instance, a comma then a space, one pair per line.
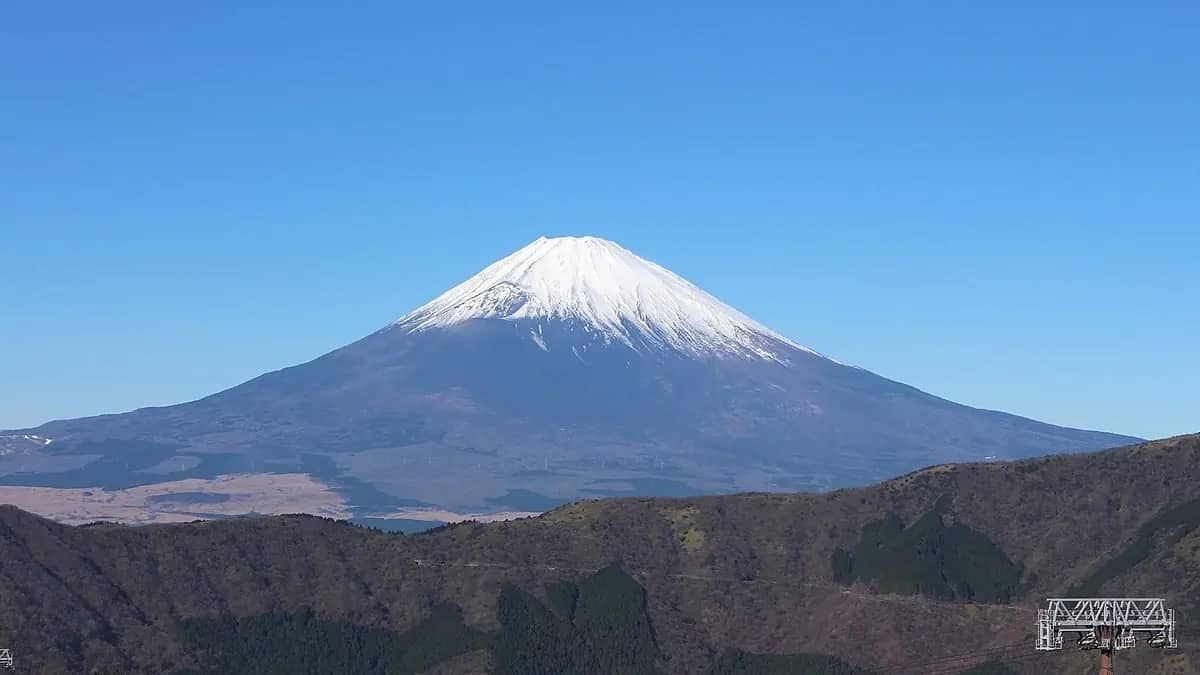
750, 571
599, 625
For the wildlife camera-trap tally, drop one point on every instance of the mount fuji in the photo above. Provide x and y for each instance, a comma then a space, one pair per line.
570, 368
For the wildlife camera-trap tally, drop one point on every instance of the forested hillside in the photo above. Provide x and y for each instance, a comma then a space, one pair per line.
943, 566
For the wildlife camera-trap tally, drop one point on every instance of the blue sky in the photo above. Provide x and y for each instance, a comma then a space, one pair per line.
997, 204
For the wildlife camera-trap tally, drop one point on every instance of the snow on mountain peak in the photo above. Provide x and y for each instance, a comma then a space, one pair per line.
619, 295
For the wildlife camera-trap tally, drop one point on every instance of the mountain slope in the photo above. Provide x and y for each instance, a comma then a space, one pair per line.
570, 368
754, 572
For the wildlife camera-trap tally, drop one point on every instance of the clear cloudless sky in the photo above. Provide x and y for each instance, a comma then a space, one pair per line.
997, 202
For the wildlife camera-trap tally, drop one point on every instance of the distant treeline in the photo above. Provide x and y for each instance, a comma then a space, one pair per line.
300, 643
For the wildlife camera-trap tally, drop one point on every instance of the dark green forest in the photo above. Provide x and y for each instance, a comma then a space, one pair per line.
302, 644
947, 562
601, 626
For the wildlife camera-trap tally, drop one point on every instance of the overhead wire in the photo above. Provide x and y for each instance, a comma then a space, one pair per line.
922, 663
962, 668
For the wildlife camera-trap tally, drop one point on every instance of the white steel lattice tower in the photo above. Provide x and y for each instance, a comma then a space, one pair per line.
6, 659
1106, 624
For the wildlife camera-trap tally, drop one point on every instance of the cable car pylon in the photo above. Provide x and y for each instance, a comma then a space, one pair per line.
1107, 625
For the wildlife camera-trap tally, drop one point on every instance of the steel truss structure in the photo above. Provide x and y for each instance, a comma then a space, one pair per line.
6, 659
1106, 623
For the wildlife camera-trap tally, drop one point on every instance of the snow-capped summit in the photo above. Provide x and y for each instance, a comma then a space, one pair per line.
569, 369
609, 291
